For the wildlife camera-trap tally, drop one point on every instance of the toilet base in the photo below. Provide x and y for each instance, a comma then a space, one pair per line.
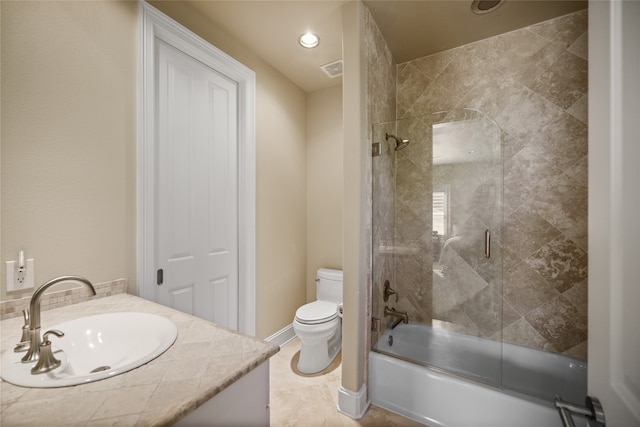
316, 356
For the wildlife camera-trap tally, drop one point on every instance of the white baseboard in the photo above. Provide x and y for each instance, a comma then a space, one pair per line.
353, 404
283, 336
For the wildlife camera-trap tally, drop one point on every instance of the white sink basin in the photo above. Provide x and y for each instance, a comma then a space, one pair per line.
94, 348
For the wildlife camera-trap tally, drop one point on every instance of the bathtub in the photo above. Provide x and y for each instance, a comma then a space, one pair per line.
510, 386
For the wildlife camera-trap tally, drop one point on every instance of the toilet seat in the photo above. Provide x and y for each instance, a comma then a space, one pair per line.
317, 312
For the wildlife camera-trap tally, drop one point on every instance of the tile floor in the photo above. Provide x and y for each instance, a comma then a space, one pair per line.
310, 401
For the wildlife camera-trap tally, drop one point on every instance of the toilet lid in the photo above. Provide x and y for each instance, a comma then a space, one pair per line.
317, 312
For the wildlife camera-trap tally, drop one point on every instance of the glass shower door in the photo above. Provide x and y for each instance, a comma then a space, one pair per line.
437, 218
467, 181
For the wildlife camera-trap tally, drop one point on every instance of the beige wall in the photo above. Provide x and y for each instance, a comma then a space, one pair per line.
68, 138
324, 183
68, 149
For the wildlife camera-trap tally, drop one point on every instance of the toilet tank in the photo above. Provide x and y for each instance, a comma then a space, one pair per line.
329, 285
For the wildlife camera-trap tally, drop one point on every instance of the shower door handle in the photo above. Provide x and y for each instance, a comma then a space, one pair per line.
487, 243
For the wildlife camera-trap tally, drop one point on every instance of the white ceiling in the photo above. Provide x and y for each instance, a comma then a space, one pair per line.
412, 28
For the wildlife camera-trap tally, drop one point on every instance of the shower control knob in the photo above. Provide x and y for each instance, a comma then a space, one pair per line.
388, 291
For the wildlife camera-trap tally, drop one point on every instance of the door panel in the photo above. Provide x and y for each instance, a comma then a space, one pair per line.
182, 298
614, 209
196, 194
220, 289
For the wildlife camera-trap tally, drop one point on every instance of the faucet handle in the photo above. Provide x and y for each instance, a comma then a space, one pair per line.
23, 345
47, 361
388, 291
55, 332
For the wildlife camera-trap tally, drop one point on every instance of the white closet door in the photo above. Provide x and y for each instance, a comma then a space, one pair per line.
196, 187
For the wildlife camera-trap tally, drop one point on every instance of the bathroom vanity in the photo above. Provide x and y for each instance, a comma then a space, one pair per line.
210, 375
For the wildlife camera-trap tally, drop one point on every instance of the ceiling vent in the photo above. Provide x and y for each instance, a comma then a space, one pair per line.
332, 69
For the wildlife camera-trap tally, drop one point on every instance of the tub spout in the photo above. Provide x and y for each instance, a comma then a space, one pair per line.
396, 323
399, 314
33, 354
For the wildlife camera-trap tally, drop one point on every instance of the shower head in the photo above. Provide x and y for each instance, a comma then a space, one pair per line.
400, 143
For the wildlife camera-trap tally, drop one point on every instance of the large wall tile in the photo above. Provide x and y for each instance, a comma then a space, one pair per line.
560, 323
580, 110
525, 290
523, 172
520, 54
565, 29
487, 311
560, 200
532, 82
522, 333
435, 64
581, 46
528, 232
564, 82
561, 263
411, 83
434, 98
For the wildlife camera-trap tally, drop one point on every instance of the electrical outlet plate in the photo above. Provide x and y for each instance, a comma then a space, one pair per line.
13, 284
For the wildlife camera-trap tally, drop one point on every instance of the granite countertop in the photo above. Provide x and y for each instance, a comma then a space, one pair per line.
204, 360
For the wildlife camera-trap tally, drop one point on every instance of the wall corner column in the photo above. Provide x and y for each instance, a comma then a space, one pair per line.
353, 399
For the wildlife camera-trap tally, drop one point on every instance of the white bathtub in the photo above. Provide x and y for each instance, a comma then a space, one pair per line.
436, 398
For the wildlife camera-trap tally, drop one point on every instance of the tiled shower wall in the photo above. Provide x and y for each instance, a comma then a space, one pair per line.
533, 83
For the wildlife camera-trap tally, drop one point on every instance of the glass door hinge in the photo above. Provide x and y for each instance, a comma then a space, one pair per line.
376, 149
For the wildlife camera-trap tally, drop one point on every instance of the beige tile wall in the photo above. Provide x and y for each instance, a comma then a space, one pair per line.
533, 83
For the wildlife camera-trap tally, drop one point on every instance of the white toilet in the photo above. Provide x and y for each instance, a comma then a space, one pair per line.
318, 324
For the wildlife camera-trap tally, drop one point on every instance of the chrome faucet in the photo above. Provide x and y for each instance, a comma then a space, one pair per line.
33, 354
399, 314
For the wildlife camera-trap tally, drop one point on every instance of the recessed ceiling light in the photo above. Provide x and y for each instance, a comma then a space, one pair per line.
308, 40
485, 6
